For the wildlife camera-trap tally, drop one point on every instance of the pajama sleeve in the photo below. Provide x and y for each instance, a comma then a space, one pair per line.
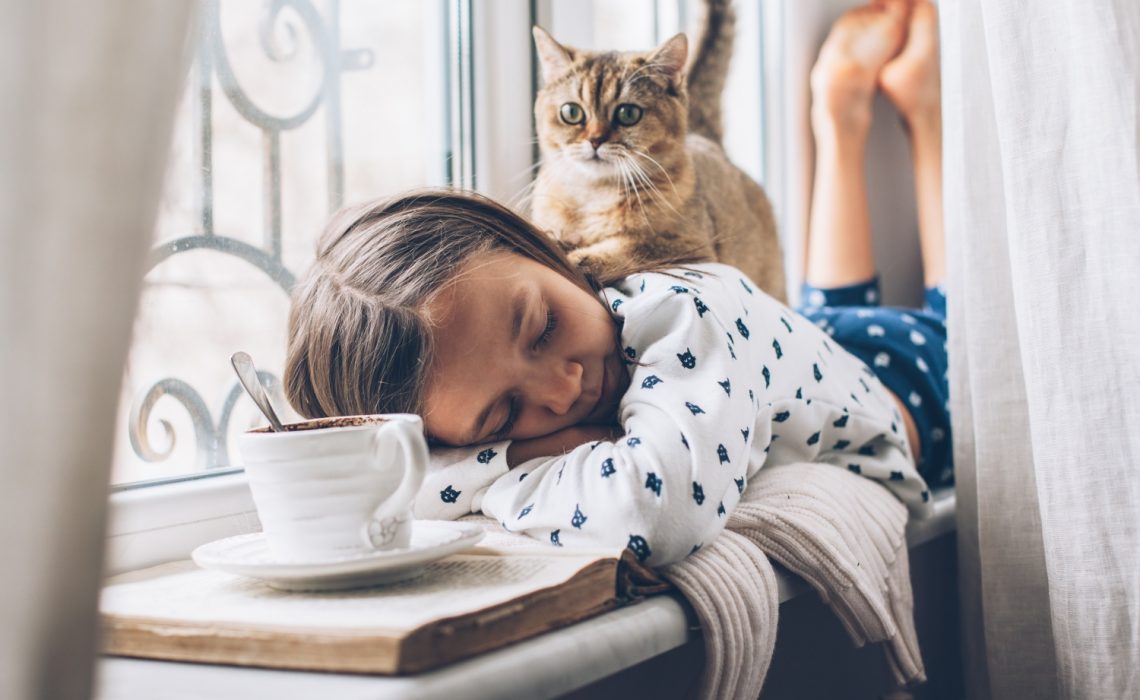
457, 478
667, 486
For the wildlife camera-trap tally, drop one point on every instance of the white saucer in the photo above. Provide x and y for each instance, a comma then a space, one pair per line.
249, 555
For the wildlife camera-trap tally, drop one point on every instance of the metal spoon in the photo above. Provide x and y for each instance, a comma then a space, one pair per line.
247, 375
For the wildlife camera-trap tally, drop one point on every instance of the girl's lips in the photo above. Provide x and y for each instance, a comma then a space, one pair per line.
605, 404
595, 409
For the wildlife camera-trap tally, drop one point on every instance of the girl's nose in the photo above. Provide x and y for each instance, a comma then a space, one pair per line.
557, 387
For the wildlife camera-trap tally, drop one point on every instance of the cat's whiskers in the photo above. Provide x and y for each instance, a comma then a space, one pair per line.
657, 190
660, 167
628, 186
650, 69
622, 77
522, 196
624, 180
526, 172
525, 192
636, 173
627, 169
648, 183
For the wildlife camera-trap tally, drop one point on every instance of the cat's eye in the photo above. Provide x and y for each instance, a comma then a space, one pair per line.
627, 115
572, 113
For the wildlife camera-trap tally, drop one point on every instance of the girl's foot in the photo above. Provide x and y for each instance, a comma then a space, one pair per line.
911, 80
845, 75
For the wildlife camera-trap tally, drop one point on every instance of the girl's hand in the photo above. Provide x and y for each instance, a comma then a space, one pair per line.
559, 442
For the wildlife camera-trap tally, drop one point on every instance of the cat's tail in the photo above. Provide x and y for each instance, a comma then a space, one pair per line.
708, 68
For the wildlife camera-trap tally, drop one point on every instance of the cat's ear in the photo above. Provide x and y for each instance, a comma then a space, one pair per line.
670, 57
554, 58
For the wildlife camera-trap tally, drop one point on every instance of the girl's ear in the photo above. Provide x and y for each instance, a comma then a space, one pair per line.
554, 58
670, 57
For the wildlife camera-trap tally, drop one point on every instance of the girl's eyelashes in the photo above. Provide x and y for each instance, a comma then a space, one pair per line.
512, 415
513, 411
548, 331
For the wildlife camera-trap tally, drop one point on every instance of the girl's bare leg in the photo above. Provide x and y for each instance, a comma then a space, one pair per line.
912, 82
843, 83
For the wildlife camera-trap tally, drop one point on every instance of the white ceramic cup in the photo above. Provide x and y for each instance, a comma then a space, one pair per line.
335, 487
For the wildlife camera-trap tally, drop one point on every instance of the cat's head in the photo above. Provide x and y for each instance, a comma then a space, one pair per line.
602, 112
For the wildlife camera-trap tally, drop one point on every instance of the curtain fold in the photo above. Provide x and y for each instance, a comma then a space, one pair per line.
1042, 188
88, 92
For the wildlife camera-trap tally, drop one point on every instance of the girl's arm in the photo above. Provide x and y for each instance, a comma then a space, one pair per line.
559, 442
458, 477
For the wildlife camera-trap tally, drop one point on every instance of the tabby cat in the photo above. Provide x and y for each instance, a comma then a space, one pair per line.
633, 172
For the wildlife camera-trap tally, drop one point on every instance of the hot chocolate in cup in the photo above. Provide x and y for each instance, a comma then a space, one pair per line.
331, 488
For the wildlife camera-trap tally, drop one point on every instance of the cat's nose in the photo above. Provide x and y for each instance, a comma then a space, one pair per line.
597, 141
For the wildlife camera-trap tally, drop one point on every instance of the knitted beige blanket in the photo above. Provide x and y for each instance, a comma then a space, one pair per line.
842, 533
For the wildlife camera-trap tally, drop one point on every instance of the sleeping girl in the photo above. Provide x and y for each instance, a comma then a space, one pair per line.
631, 411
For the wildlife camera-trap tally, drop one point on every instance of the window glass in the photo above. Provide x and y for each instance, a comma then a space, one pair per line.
289, 111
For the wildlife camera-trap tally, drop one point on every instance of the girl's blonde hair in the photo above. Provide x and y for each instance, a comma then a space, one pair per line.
359, 339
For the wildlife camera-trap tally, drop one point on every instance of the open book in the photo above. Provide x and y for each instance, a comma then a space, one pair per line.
504, 590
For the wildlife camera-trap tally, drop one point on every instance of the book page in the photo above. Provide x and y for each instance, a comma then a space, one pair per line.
462, 583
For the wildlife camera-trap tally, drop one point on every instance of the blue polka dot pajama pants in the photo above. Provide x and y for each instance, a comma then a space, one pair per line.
906, 349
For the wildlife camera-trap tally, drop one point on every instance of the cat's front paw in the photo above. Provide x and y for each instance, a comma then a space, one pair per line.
582, 260
568, 247
593, 265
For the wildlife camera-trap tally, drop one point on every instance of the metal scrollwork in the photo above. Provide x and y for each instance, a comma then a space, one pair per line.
271, 19
191, 400
211, 437
281, 27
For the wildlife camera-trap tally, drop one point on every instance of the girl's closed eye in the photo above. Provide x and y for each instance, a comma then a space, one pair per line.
548, 331
508, 426
513, 410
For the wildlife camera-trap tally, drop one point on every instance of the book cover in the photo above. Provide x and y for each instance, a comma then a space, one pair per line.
503, 591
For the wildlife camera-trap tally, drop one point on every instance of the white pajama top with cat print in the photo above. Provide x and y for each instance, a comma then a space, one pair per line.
724, 380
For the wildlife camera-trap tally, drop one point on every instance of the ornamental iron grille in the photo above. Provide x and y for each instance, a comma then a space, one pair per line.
280, 25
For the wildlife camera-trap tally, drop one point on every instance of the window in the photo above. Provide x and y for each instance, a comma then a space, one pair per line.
291, 110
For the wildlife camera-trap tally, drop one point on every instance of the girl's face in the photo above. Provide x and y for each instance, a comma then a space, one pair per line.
520, 352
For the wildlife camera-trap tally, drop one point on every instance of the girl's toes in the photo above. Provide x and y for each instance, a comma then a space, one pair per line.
911, 80
860, 42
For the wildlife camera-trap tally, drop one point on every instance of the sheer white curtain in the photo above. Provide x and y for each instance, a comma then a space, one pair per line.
88, 91
1042, 165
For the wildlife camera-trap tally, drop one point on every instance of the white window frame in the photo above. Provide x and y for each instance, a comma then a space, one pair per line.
154, 522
